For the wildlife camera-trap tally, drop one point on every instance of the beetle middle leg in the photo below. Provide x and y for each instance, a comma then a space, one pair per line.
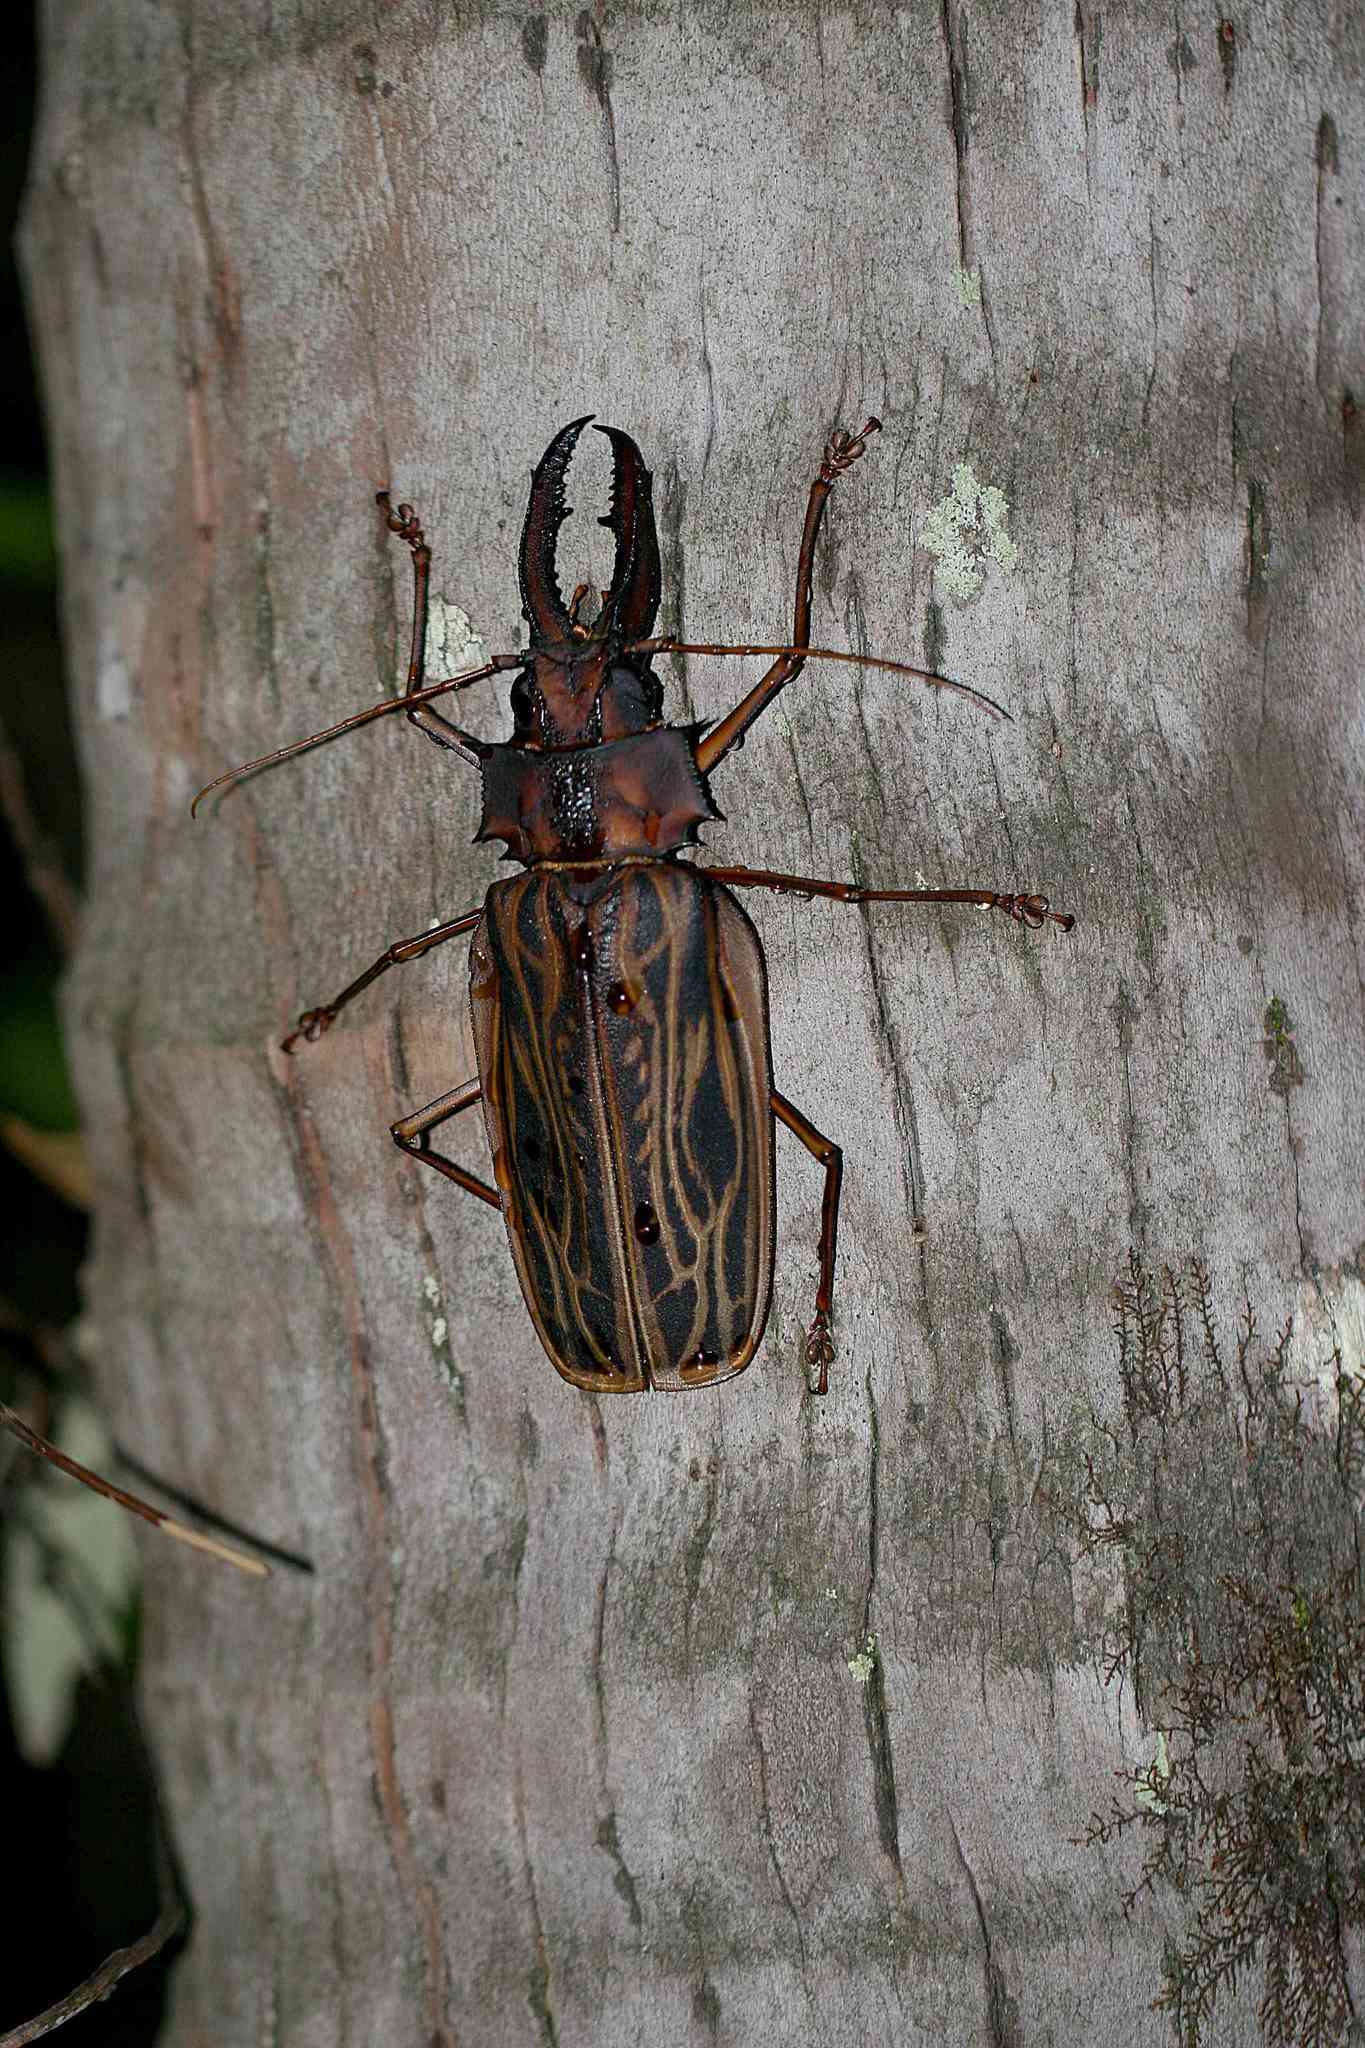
412, 1134
313, 1023
819, 1349
1030, 910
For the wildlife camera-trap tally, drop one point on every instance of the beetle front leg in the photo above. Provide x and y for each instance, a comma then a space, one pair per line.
313, 1023
819, 1350
405, 523
412, 1133
1030, 910
842, 450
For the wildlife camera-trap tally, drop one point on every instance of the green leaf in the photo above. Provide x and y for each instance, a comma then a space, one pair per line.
33, 1076
27, 553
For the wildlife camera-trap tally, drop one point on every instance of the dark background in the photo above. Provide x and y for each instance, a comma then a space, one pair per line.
80, 1845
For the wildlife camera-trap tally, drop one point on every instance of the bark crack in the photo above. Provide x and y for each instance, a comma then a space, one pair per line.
224, 294
708, 371
1002, 812
374, 1490
1307, 1264
1328, 156
672, 509
1088, 69
608, 1837
595, 69
1258, 557
1348, 897
538, 1989
801, 791
904, 1100
698, 1545
1156, 318
770, 1841
1072, 577
855, 623
959, 84
957, 119
874, 1692
998, 2027
1123, 1010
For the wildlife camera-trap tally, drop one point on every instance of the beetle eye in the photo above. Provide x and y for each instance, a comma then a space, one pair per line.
630, 701
524, 696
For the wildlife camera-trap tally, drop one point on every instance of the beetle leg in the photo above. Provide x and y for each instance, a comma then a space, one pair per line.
412, 1134
405, 523
819, 1349
1023, 909
313, 1023
842, 450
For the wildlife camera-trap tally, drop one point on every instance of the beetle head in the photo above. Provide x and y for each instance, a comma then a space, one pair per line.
577, 686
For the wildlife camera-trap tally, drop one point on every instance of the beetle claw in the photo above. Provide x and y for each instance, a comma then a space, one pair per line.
843, 449
404, 522
1027, 910
820, 1349
310, 1027
1033, 911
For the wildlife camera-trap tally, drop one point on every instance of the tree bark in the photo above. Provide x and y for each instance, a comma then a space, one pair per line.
567, 1740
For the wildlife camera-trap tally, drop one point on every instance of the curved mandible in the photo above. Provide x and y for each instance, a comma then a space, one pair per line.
631, 604
542, 602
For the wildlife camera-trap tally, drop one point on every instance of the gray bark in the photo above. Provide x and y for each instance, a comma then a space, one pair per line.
561, 1743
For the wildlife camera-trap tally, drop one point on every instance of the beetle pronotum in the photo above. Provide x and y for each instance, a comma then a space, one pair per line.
618, 991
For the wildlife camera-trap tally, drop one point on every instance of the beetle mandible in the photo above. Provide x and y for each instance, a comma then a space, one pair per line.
619, 993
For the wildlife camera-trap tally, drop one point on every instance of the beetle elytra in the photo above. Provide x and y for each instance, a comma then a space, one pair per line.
618, 990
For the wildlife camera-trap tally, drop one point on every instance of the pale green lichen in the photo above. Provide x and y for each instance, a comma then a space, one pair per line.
452, 643
863, 1662
1153, 1778
436, 1322
967, 285
965, 530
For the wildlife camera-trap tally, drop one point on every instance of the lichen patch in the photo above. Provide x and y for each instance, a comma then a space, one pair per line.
965, 531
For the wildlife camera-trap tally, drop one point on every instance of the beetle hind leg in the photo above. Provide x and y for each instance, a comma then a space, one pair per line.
819, 1346
413, 1134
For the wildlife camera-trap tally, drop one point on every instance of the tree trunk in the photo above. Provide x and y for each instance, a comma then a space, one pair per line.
739, 1716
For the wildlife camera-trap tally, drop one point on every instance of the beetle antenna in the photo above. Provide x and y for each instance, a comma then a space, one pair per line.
901, 668
476, 748
41, 1448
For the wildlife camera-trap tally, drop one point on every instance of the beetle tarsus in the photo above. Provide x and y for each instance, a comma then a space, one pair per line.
404, 522
843, 449
820, 1349
310, 1028
1033, 911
